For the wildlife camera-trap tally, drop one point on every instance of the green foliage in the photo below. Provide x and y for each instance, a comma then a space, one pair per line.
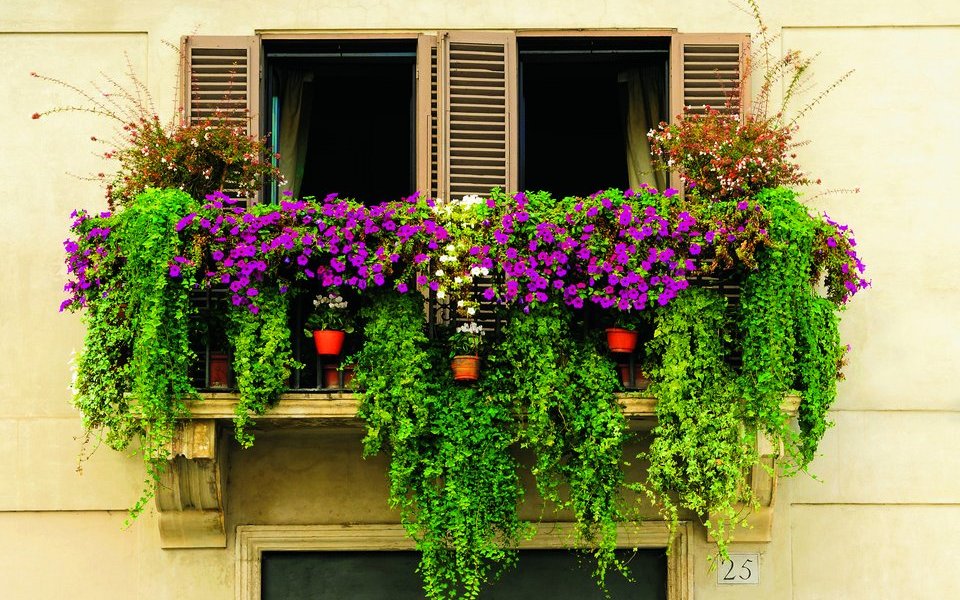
563, 394
132, 376
790, 335
452, 474
262, 356
701, 448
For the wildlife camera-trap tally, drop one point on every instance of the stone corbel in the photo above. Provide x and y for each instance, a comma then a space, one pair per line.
190, 494
757, 525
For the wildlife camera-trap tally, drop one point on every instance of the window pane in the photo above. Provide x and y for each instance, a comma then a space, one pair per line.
554, 574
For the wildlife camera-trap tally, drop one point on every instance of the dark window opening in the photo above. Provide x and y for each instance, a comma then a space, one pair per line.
371, 575
585, 104
341, 114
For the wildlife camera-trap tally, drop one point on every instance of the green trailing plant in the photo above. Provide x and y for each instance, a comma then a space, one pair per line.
562, 390
790, 333
452, 474
702, 446
132, 376
262, 358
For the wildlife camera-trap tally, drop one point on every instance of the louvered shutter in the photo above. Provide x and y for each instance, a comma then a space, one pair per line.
477, 80
428, 125
707, 70
221, 81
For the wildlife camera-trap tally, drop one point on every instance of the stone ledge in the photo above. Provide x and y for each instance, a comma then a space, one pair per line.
342, 406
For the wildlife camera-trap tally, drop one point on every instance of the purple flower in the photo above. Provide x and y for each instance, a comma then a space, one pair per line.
831, 242
694, 249
182, 223
402, 288
174, 270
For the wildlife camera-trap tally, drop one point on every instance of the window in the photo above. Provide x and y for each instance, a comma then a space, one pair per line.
341, 114
459, 112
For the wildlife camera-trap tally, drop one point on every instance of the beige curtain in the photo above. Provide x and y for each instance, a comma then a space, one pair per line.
295, 109
644, 93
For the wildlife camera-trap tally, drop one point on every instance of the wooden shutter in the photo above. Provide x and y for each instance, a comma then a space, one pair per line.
428, 122
477, 80
707, 70
222, 73
221, 81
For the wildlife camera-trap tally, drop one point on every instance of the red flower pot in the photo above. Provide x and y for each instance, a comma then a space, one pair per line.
639, 381
465, 368
621, 341
219, 370
329, 342
331, 377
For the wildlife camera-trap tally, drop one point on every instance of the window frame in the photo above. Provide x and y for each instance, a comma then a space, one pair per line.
253, 540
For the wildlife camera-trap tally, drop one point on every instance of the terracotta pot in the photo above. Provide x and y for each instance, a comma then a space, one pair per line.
219, 370
621, 341
331, 377
465, 368
329, 342
639, 381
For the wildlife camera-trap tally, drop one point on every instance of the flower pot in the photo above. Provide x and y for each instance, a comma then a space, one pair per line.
219, 370
621, 341
465, 368
331, 377
329, 342
639, 380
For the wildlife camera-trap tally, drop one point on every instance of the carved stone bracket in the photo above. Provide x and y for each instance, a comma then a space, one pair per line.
758, 524
190, 493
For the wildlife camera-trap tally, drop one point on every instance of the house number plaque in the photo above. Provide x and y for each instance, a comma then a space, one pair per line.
740, 569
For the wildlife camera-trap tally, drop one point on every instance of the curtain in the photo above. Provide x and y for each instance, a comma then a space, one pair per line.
296, 106
644, 99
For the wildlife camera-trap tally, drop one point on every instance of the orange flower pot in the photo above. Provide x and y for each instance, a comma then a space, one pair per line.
331, 377
621, 341
329, 342
219, 370
465, 368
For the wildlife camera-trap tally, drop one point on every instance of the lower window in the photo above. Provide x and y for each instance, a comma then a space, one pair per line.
391, 575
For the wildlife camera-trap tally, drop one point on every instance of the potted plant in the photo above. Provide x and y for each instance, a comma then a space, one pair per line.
465, 351
622, 337
329, 323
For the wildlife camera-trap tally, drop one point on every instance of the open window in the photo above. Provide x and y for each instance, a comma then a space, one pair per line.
586, 105
341, 114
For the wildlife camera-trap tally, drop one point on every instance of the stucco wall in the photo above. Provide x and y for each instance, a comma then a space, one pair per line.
881, 520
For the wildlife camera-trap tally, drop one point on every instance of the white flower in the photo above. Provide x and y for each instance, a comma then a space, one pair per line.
471, 311
439, 273
441, 294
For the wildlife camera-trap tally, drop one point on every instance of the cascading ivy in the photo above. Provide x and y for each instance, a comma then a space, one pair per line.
262, 359
701, 450
132, 376
452, 474
563, 393
790, 334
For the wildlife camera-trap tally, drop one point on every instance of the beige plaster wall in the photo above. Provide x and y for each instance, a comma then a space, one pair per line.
880, 522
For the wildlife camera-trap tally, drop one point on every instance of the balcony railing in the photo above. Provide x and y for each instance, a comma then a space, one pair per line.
213, 372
